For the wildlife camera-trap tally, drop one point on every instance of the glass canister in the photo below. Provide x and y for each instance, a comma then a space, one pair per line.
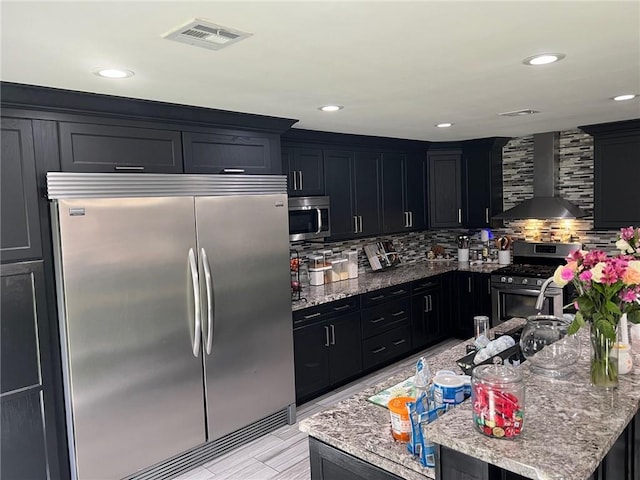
352, 263
498, 400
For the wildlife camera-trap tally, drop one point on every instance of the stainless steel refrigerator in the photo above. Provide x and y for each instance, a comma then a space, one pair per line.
175, 313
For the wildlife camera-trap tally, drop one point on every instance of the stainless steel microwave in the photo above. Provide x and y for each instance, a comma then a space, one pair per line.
308, 218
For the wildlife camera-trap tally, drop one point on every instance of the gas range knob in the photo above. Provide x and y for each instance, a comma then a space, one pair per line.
503, 279
525, 281
509, 280
539, 283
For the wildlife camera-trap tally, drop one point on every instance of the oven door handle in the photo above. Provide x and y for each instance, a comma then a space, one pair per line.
532, 292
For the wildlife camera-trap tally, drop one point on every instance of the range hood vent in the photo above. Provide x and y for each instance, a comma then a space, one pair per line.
203, 33
545, 203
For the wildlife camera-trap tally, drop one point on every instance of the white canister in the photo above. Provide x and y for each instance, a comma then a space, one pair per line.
448, 390
463, 254
504, 257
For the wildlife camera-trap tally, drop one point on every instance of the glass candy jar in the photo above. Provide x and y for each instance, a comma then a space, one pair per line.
497, 397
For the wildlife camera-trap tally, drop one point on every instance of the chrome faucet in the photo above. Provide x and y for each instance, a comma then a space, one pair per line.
540, 299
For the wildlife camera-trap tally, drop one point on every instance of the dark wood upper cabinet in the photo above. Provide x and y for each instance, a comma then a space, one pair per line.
616, 174
403, 192
445, 188
304, 168
92, 147
20, 233
231, 152
366, 181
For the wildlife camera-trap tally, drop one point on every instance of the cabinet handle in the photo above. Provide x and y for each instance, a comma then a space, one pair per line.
333, 334
469, 284
399, 342
378, 297
426, 304
411, 219
459, 215
399, 292
406, 219
122, 168
427, 285
360, 221
294, 180
326, 336
343, 307
313, 315
486, 214
233, 170
378, 350
377, 320
430, 303
355, 224
397, 314
300, 175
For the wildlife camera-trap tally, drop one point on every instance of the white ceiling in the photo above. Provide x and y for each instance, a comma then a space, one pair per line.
397, 67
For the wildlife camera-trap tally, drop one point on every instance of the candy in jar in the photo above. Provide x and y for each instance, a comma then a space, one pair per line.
497, 396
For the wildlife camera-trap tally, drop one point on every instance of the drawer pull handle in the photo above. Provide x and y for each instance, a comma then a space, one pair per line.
379, 319
379, 297
427, 285
378, 350
399, 342
122, 168
313, 315
343, 307
397, 314
399, 292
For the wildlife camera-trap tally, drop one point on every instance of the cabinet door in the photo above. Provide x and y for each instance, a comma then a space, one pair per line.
87, 147
305, 170
477, 183
445, 199
311, 359
416, 192
465, 301
230, 152
617, 176
345, 351
425, 318
338, 176
366, 185
482, 294
394, 214
23, 372
20, 232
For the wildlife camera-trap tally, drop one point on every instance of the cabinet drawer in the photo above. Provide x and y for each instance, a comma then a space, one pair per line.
324, 311
382, 318
86, 147
383, 295
386, 346
420, 286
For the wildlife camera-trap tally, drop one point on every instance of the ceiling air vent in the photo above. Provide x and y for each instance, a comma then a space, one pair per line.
203, 33
518, 113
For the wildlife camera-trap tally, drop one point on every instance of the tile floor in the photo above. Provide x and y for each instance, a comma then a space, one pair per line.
284, 453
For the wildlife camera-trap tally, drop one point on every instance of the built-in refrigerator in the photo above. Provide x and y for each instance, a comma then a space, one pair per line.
174, 310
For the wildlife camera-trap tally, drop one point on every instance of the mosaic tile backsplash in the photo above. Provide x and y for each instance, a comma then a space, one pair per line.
575, 185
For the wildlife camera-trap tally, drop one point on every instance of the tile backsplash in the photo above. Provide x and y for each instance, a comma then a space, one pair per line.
575, 185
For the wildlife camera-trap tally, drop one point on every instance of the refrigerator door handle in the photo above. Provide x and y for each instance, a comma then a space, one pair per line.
193, 266
209, 291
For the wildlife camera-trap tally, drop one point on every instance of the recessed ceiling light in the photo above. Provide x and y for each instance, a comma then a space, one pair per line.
330, 108
444, 125
113, 73
621, 98
543, 59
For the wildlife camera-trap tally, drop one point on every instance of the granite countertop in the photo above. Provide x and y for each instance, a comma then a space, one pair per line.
569, 426
369, 281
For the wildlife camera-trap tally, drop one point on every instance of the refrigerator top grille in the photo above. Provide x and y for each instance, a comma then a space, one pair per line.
125, 185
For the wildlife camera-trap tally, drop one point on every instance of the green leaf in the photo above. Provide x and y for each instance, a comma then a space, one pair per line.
634, 316
606, 329
613, 308
577, 324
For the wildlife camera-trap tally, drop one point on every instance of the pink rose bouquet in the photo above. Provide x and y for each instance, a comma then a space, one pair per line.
606, 286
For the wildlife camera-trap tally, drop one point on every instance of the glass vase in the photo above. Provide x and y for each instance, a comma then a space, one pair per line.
604, 360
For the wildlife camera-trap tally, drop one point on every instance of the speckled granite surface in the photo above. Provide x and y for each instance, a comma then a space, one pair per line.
569, 426
370, 281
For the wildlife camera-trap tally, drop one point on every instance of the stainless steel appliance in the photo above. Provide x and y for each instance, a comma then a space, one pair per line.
309, 218
175, 316
515, 288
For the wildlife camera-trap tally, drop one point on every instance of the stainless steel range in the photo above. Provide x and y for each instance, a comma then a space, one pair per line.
515, 288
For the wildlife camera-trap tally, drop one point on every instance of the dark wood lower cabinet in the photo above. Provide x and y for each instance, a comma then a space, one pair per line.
28, 449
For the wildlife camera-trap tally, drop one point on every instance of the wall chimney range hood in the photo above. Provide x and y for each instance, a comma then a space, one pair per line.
545, 203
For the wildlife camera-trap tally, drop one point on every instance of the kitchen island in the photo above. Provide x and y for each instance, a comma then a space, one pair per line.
569, 429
